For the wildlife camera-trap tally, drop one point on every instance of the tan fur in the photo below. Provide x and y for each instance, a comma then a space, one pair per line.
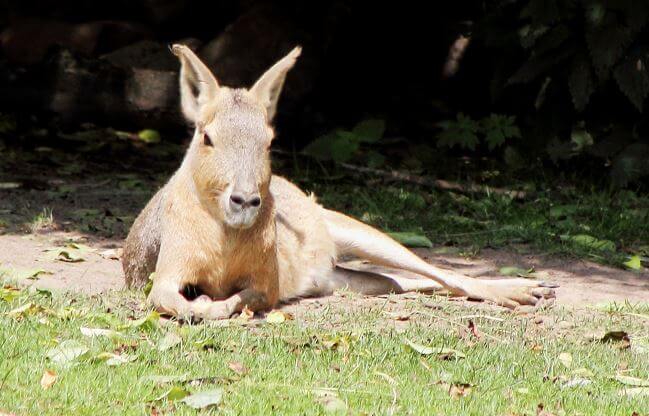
194, 233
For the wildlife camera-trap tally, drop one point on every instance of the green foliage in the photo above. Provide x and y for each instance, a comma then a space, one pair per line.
580, 44
343, 145
568, 67
465, 132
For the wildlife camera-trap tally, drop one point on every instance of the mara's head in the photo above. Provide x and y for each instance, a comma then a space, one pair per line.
229, 157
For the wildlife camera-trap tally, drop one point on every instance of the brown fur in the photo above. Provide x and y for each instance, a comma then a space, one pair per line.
192, 233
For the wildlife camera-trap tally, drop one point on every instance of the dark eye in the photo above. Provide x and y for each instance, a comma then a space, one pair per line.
206, 140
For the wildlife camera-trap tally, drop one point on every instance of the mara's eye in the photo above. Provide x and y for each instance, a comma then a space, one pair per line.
206, 140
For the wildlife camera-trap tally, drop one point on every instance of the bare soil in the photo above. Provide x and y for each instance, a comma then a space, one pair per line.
581, 282
83, 199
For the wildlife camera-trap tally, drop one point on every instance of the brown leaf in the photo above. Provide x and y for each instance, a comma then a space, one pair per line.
540, 411
474, 329
238, 368
246, 314
277, 317
621, 338
456, 390
48, 379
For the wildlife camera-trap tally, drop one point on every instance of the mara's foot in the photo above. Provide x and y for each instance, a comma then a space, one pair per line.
513, 293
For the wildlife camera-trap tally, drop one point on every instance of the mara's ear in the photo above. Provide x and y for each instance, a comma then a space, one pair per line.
269, 86
197, 84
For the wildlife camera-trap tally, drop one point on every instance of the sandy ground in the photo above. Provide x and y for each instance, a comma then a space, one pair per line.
581, 282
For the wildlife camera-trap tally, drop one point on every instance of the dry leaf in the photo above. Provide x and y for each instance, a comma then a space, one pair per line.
48, 379
459, 390
238, 368
621, 338
277, 317
565, 359
111, 254
631, 381
540, 411
474, 329
635, 391
246, 314
456, 390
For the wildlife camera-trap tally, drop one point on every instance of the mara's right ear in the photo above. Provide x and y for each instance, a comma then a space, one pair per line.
197, 84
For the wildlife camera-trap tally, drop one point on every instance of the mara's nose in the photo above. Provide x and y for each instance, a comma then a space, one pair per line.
241, 200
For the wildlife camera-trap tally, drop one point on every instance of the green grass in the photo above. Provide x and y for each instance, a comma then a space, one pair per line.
616, 223
328, 357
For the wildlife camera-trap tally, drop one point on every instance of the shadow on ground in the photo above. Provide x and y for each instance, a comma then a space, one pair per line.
90, 193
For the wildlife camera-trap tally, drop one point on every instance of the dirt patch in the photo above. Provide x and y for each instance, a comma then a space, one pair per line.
581, 282
92, 194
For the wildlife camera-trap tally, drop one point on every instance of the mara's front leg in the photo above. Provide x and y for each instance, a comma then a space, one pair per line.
257, 287
167, 298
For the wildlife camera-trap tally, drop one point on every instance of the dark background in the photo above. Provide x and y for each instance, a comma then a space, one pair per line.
570, 76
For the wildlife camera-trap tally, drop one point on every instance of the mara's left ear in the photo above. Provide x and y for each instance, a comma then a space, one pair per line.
269, 86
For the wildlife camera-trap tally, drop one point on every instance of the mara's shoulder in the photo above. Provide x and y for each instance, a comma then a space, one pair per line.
281, 184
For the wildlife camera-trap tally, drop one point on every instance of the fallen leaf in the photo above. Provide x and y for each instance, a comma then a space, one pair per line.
24, 310
634, 263
540, 411
23, 274
474, 329
398, 316
516, 271
66, 352
457, 390
238, 368
565, 359
204, 399
113, 360
100, 332
441, 352
246, 314
111, 254
635, 391
174, 393
341, 342
330, 401
575, 382
149, 136
9, 293
71, 252
621, 338
631, 381
589, 242
278, 317
170, 340
147, 323
48, 379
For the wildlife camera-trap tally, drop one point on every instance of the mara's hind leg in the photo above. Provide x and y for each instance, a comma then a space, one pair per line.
361, 240
142, 246
370, 283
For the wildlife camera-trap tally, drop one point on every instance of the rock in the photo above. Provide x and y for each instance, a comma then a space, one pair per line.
27, 41
255, 41
144, 54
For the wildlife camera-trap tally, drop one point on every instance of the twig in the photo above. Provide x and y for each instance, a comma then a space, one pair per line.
441, 184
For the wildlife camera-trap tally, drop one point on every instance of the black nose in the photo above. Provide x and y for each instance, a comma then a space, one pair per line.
239, 200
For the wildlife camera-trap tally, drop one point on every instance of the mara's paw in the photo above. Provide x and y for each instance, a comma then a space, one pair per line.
513, 293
